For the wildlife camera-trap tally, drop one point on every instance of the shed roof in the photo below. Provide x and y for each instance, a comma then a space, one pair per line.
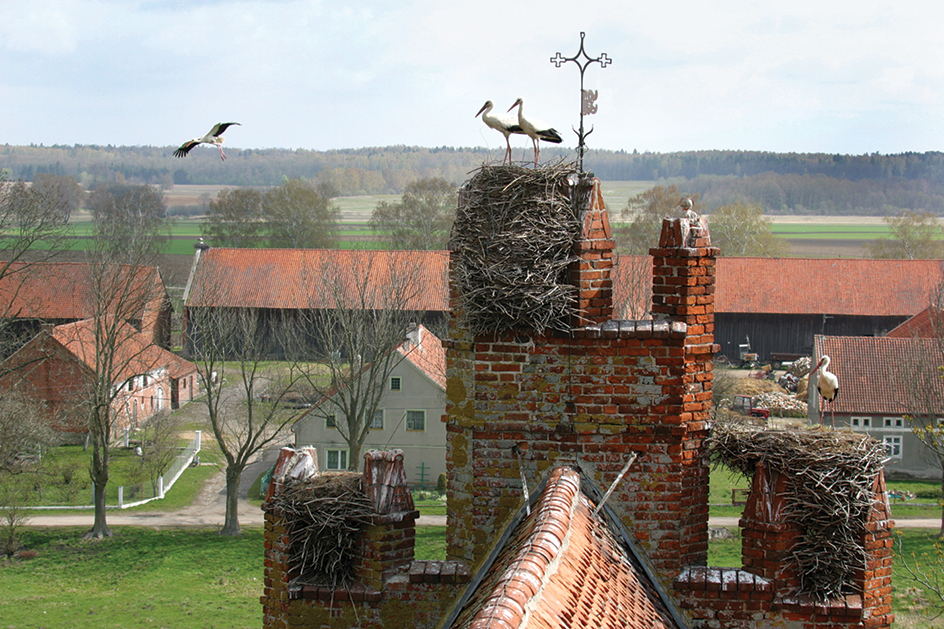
59, 290
926, 324
429, 356
880, 374
564, 566
295, 278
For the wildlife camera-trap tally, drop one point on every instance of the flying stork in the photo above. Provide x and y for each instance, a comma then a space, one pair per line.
535, 130
215, 136
506, 125
828, 383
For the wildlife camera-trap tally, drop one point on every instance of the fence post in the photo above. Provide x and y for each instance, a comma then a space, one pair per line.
121, 496
197, 439
160, 486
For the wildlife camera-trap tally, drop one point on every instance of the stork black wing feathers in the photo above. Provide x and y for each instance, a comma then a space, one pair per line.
550, 135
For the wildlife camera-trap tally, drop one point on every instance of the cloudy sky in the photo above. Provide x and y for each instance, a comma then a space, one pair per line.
831, 75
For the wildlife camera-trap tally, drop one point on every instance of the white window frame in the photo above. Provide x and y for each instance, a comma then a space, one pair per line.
893, 423
342, 459
396, 383
860, 422
891, 444
331, 422
379, 413
417, 410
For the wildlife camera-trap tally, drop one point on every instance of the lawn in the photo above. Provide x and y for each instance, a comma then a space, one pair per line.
145, 578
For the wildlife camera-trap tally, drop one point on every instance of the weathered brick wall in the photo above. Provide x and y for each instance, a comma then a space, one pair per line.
591, 397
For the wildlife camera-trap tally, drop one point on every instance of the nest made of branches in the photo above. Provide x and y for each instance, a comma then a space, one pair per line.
325, 516
830, 475
514, 237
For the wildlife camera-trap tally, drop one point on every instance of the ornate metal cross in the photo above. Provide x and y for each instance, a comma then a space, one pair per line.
588, 98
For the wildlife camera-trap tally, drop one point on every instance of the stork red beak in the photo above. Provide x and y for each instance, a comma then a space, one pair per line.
484, 107
517, 102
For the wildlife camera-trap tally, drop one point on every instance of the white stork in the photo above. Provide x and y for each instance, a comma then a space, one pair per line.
506, 125
828, 383
215, 136
535, 130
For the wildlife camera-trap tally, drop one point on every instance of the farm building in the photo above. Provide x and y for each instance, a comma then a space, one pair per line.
409, 417
56, 367
283, 286
55, 293
883, 382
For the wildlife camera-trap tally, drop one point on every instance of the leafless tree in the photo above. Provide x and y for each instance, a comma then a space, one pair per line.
129, 228
250, 398
360, 310
632, 286
421, 219
159, 436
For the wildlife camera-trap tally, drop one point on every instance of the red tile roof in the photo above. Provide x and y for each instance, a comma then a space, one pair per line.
922, 325
564, 567
876, 374
55, 290
277, 278
429, 356
136, 353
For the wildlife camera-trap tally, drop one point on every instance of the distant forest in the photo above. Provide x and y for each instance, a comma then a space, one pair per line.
783, 183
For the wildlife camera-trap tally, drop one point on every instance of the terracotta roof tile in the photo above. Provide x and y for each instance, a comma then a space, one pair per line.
922, 325
846, 286
874, 373
429, 356
54, 290
563, 567
136, 353
276, 278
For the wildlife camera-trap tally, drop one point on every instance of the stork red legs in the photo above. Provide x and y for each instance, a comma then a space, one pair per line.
828, 384
213, 137
506, 125
535, 130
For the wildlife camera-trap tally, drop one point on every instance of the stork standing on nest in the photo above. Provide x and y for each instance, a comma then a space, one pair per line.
535, 130
215, 136
828, 384
506, 125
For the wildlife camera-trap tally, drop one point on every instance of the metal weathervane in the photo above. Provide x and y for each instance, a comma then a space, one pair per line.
588, 98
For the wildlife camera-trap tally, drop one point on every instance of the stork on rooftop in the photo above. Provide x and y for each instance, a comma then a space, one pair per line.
535, 130
215, 136
506, 125
828, 383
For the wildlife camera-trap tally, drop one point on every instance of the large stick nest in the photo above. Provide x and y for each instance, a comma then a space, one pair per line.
325, 517
830, 476
513, 238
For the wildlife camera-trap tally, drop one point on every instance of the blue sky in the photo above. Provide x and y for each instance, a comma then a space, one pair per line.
831, 76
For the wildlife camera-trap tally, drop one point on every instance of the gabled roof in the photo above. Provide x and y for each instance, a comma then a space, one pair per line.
136, 354
564, 566
837, 286
922, 325
292, 278
429, 356
57, 290
880, 374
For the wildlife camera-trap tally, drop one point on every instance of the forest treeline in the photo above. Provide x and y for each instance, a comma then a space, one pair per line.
806, 183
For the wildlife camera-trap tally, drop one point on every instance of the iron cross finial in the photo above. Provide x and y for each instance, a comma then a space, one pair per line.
588, 98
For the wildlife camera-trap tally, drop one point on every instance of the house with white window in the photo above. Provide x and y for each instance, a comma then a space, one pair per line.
409, 417
886, 385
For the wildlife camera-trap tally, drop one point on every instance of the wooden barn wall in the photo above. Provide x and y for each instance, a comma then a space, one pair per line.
792, 334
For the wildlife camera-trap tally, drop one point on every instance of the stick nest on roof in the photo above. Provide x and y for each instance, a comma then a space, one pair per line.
325, 516
514, 235
830, 475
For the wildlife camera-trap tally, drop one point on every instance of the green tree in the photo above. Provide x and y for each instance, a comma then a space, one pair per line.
740, 229
298, 216
915, 236
642, 218
423, 217
234, 218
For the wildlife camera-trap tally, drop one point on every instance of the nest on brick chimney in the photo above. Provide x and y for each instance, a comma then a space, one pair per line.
514, 237
324, 517
830, 475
